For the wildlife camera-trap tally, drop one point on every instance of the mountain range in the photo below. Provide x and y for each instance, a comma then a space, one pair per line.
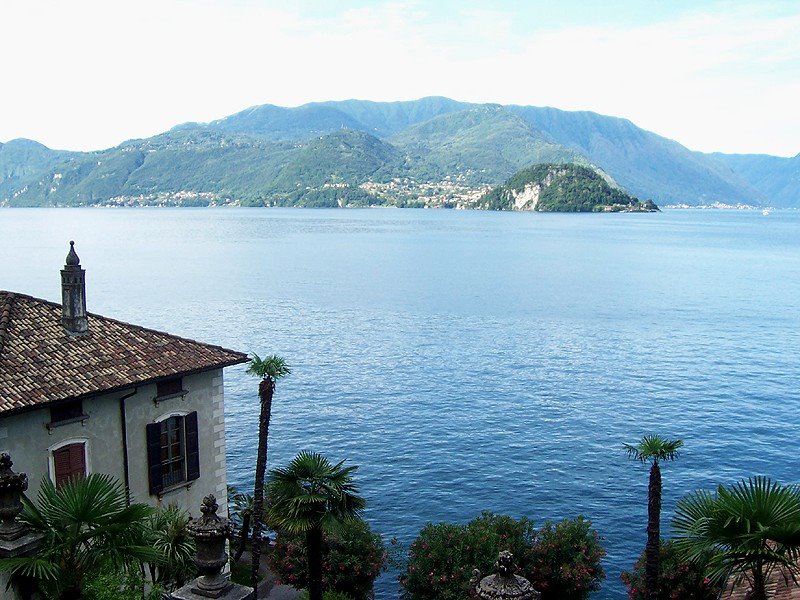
433, 151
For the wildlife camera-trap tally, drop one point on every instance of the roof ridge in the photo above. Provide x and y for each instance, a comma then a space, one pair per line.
5, 315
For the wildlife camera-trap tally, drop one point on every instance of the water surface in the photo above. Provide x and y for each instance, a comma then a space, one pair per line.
470, 361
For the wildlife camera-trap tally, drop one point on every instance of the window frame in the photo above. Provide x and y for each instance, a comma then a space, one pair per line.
57, 420
160, 482
87, 463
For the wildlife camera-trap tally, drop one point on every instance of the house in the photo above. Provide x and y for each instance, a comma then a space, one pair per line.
82, 393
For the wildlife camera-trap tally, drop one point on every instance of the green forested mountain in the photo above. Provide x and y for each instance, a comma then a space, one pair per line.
485, 143
642, 162
384, 119
560, 188
278, 123
433, 151
21, 159
775, 177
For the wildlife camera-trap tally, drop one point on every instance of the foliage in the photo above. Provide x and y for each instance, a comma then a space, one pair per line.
307, 496
677, 579
167, 533
749, 529
566, 560
353, 556
562, 188
87, 525
312, 492
562, 559
327, 595
654, 448
111, 585
269, 369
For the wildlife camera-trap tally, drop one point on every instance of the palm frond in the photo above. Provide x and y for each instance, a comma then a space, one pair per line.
654, 448
310, 492
749, 527
272, 367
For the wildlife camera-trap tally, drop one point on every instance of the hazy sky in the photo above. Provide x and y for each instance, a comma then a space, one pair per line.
84, 74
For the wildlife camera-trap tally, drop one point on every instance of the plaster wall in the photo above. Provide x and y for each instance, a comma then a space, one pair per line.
30, 443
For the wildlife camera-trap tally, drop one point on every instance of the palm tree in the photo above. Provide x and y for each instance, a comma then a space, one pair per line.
86, 525
269, 370
747, 529
307, 496
653, 449
167, 533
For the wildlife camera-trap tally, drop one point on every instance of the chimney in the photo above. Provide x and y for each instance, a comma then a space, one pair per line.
73, 295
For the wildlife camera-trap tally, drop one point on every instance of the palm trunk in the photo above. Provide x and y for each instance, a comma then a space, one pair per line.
265, 391
653, 548
314, 547
243, 535
759, 591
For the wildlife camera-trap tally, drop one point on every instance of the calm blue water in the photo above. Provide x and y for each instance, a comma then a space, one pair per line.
466, 360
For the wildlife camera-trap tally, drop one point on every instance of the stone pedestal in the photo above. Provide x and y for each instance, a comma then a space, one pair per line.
15, 539
210, 533
504, 585
235, 592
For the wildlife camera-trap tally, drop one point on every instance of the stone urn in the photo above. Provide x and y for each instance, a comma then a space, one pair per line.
210, 533
12, 485
504, 584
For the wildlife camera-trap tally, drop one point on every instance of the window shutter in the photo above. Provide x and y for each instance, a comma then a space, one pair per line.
154, 458
192, 447
69, 462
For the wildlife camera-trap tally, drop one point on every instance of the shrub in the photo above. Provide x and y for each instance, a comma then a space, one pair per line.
561, 560
566, 560
167, 533
326, 595
677, 580
110, 584
352, 557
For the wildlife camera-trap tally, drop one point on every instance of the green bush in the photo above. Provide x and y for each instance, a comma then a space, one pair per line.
110, 584
326, 595
677, 580
352, 557
566, 560
561, 560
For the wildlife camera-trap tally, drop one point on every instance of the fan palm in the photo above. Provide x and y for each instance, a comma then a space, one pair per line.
309, 495
86, 524
167, 533
653, 449
747, 529
269, 369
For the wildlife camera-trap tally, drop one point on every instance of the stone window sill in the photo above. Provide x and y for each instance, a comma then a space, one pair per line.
184, 485
53, 424
181, 395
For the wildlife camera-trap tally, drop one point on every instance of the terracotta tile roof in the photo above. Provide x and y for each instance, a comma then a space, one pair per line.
40, 363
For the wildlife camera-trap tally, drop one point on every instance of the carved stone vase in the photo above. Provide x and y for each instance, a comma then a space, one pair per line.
210, 533
504, 585
12, 485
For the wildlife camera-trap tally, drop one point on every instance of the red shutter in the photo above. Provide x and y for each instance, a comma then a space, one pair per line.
69, 461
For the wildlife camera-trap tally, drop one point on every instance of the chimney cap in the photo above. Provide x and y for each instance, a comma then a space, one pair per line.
72, 257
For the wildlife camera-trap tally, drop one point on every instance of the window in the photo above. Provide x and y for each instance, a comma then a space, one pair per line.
170, 387
69, 461
66, 412
173, 455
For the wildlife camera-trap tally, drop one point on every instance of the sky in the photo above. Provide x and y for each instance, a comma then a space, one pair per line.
713, 75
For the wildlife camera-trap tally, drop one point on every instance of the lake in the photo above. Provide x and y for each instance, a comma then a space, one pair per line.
470, 361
